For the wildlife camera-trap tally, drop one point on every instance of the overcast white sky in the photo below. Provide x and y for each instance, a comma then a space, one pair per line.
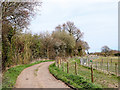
98, 19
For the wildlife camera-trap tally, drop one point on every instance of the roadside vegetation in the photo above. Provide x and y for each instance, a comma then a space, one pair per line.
20, 46
10, 77
76, 81
105, 79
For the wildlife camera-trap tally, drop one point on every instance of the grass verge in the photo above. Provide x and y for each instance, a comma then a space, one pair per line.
104, 78
10, 76
74, 80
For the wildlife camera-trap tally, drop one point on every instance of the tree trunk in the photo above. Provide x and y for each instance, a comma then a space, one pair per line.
48, 53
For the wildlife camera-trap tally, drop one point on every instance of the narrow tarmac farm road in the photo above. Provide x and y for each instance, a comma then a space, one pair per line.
38, 76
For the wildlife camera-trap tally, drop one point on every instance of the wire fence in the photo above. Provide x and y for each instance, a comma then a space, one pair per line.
107, 66
86, 67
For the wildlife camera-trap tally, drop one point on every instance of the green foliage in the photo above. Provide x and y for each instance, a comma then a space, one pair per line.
36, 46
24, 47
74, 80
10, 76
15, 17
67, 41
65, 37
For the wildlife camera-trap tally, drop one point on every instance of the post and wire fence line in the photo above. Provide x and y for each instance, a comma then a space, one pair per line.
106, 67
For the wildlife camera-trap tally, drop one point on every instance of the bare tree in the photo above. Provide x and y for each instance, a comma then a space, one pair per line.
78, 35
17, 14
71, 29
105, 49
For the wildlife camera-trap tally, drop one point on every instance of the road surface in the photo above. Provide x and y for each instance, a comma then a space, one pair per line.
38, 76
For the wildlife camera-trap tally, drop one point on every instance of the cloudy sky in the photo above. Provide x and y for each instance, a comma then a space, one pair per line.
98, 19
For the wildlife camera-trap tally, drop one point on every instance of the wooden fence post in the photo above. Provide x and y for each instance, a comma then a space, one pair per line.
59, 63
101, 64
116, 68
91, 74
67, 67
111, 64
107, 66
111, 61
102, 61
75, 68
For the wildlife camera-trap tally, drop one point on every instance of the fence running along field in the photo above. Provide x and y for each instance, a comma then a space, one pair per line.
99, 70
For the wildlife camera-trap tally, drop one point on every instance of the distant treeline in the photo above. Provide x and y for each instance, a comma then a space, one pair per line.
110, 53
